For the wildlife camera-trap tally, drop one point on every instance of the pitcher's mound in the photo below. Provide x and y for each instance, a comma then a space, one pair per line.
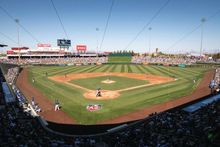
105, 95
108, 81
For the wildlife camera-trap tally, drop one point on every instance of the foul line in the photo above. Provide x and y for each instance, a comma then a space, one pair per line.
77, 86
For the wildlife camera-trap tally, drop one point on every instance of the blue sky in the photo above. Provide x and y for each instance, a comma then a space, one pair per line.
81, 18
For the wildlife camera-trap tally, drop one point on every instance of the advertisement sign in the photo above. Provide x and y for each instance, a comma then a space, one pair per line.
81, 47
93, 107
43, 45
19, 48
10, 52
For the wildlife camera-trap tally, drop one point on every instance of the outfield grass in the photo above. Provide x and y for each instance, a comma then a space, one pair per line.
119, 59
120, 82
74, 103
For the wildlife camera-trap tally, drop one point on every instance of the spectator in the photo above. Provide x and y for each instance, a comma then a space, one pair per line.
33, 101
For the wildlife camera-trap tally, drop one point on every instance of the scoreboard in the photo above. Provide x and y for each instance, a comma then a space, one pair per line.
63, 43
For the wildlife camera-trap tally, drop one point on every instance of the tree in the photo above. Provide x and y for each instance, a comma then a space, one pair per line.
132, 53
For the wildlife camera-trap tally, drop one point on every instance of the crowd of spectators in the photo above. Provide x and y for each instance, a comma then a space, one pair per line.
217, 77
11, 75
94, 60
18, 128
215, 82
1, 91
170, 60
174, 128
67, 60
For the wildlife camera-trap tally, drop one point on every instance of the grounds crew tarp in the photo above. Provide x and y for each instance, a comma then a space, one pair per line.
9, 98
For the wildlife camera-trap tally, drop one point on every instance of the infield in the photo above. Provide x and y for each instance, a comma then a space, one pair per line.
119, 82
90, 82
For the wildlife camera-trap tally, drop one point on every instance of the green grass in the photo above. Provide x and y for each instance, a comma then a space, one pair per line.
119, 59
120, 82
74, 104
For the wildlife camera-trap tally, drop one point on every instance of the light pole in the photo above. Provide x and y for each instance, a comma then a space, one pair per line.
149, 39
19, 54
201, 50
97, 41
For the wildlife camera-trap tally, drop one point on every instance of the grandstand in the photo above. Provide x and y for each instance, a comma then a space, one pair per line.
46, 51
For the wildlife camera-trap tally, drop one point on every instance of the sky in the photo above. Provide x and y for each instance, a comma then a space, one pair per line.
170, 32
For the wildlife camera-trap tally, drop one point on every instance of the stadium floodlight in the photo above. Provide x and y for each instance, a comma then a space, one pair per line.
17, 21
149, 39
19, 56
201, 43
97, 41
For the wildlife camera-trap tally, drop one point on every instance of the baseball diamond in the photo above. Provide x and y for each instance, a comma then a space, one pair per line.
135, 88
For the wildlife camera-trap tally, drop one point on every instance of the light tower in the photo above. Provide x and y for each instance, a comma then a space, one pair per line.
19, 54
149, 39
97, 41
17, 21
202, 28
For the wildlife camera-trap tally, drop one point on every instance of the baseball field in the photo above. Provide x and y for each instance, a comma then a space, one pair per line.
125, 88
